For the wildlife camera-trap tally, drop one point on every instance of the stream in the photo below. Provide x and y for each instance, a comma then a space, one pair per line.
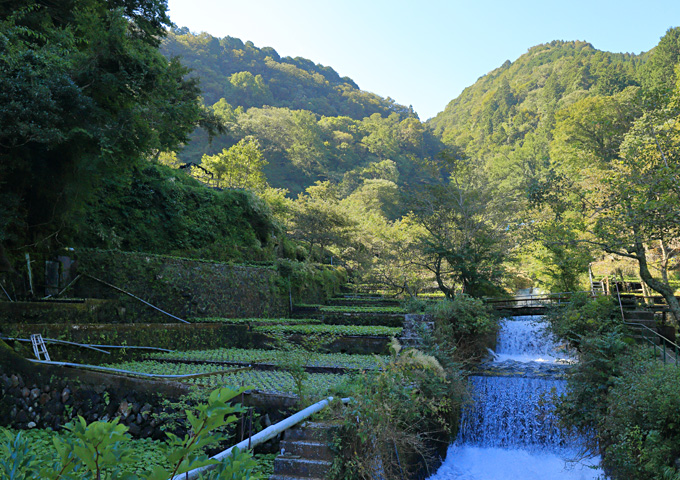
510, 431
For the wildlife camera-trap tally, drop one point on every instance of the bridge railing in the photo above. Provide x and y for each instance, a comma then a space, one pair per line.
658, 343
539, 300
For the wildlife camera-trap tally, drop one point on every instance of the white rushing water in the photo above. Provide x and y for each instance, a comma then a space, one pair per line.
510, 431
523, 339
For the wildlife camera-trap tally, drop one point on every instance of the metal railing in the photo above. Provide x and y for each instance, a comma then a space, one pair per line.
261, 437
652, 339
663, 344
538, 300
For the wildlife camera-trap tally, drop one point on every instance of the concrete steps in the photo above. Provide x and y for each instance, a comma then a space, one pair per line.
306, 453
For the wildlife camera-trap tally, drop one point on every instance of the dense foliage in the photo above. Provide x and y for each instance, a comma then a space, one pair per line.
583, 316
155, 209
397, 417
622, 402
84, 91
249, 76
463, 328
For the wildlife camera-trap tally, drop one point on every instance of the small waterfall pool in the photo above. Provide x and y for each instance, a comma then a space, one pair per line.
510, 431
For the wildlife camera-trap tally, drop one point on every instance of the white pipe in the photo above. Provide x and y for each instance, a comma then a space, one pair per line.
88, 345
261, 437
53, 340
129, 372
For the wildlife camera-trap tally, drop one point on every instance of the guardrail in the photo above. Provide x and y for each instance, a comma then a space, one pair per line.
663, 342
541, 300
261, 437
651, 339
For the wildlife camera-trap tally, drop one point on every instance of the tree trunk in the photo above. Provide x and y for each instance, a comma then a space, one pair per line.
663, 288
440, 282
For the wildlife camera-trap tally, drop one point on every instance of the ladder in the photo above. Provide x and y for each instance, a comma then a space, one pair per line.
39, 347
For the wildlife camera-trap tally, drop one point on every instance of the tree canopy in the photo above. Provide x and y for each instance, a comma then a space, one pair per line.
83, 91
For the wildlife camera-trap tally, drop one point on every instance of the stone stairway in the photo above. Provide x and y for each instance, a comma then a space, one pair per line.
410, 336
306, 452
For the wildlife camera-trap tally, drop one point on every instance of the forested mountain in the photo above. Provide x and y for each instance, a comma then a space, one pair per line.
521, 97
309, 123
248, 76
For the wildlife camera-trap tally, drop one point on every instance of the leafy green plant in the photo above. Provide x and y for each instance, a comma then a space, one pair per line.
358, 330
100, 450
583, 316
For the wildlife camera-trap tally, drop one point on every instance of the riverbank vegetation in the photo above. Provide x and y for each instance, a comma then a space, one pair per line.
621, 397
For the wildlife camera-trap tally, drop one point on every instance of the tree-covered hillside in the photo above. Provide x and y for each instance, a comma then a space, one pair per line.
520, 98
248, 76
307, 123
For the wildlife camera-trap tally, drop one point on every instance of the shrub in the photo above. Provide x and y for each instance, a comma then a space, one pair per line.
467, 316
583, 315
641, 431
462, 328
396, 418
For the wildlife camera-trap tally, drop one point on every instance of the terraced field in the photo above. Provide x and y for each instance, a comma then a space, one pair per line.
268, 381
358, 330
259, 356
268, 373
258, 321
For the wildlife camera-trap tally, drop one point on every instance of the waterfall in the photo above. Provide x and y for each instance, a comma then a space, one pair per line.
510, 430
524, 339
512, 412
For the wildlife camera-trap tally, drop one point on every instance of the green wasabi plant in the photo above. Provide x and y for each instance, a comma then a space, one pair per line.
101, 451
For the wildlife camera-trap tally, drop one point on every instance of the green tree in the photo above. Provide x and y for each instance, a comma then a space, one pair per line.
83, 92
247, 90
466, 241
237, 167
318, 220
623, 177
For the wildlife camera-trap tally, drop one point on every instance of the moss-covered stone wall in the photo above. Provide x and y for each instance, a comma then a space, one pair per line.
74, 312
183, 287
175, 336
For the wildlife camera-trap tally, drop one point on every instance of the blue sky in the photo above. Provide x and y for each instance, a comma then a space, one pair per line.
425, 52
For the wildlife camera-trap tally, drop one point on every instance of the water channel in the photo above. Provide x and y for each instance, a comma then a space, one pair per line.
510, 431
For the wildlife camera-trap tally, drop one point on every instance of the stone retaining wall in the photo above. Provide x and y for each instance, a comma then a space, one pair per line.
52, 404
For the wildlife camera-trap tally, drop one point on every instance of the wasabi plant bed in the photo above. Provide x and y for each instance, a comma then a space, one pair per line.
337, 330
151, 453
371, 319
360, 309
270, 381
237, 355
256, 321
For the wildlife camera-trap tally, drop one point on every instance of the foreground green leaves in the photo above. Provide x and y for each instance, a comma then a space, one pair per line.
101, 450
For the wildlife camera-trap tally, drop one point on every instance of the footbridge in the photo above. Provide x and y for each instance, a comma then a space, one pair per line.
528, 304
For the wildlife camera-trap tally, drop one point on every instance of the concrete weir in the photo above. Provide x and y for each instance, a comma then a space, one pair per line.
511, 431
